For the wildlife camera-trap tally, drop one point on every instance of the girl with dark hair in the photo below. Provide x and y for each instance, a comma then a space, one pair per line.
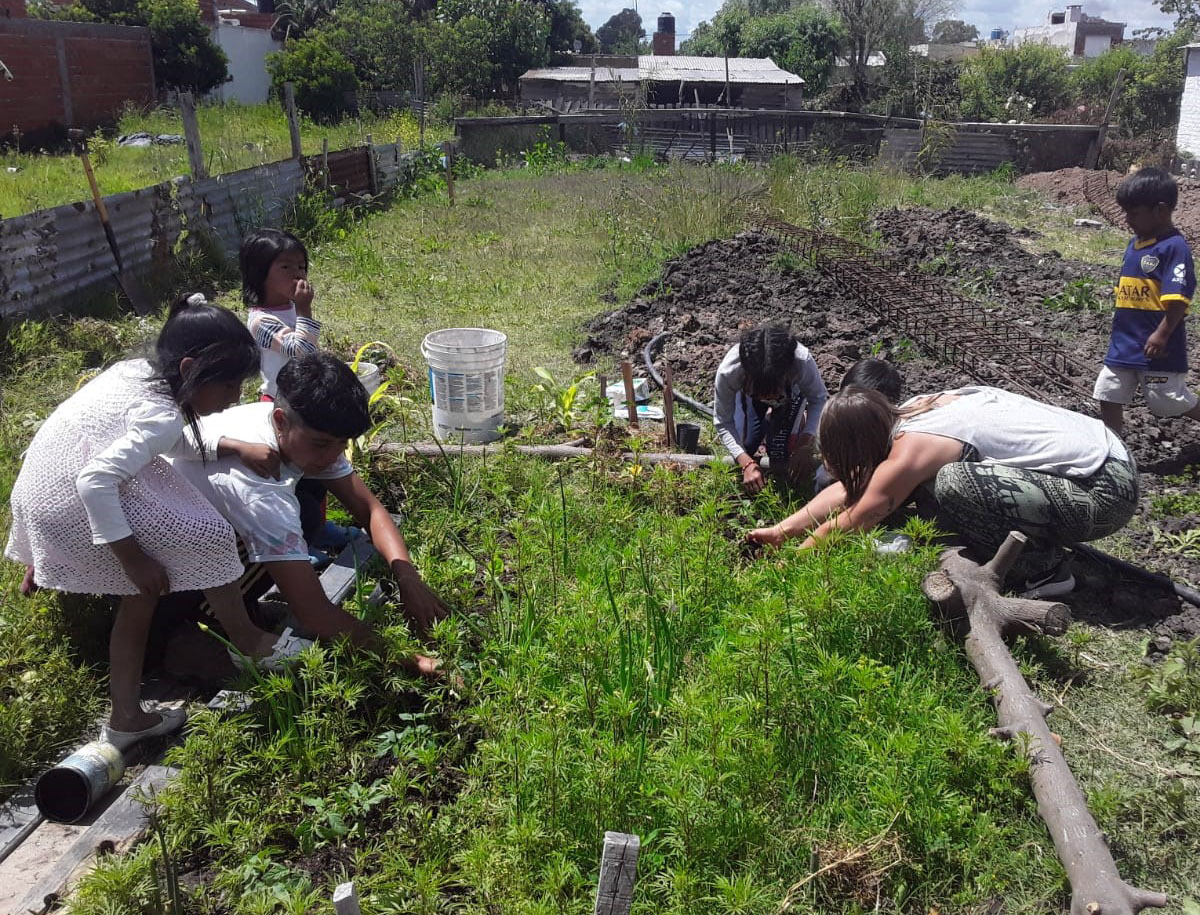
96, 509
768, 389
992, 460
276, 290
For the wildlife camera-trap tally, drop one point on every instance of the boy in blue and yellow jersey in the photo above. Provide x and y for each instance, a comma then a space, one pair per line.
1148, 348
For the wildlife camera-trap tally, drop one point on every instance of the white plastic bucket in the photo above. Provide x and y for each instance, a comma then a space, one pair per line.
370, 376
466, 382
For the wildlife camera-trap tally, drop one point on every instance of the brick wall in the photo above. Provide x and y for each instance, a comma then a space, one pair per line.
68, 74
12, 9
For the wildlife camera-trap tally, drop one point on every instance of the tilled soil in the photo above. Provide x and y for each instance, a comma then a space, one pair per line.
706, 296
1066, 188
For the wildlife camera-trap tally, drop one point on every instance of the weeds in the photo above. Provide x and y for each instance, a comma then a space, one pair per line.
1078, 295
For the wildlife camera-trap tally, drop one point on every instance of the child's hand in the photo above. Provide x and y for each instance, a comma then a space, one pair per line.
262, 459
302, 295
770, 536
752, 478
1156, 346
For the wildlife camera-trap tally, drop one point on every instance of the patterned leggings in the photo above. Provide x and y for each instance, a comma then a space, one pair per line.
983, 502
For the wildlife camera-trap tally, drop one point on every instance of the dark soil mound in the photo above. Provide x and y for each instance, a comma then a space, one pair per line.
707, 295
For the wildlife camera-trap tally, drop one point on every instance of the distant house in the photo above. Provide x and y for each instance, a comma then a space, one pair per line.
955, 53
1073, 30
1187, 135
242, 28
603, 82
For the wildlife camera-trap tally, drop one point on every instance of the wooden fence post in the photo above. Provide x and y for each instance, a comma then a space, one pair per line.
293, 118
325, 162
191, 133
448, 151
1093, 155
345, 900
668, 377
631, 410
618, 871
372, 173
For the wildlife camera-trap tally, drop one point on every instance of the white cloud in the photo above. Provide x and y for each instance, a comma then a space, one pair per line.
986, 14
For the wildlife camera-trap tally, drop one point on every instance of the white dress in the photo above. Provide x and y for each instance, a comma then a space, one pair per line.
95, 473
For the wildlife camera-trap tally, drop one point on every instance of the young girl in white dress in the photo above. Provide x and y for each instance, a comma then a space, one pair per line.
97, 510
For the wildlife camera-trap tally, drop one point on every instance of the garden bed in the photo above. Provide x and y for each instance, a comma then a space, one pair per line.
705, 296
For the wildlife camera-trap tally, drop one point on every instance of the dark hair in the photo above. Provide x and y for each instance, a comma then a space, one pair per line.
856, 436
258, 253
325, 394
1148, 187
217, 341
767, 353
877, 375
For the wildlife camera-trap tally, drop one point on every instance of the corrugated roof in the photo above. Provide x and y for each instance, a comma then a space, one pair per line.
674, 69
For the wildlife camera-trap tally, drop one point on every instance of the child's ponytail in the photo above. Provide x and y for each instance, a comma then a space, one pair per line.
217, 342
766, 353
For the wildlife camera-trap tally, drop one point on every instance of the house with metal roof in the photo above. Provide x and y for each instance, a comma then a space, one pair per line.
672, 81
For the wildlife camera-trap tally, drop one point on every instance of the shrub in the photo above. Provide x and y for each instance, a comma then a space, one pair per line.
1028, 81
323, 77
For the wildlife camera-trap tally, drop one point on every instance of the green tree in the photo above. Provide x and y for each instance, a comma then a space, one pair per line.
323, 76
1150, 104
953, 31
378, 37
723, 35
480, 49
1186, 12
567, 26
803, 40
296, 18
185, 56
1002, 84
622, 33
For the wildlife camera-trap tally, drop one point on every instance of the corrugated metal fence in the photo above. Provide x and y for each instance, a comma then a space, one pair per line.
52, 258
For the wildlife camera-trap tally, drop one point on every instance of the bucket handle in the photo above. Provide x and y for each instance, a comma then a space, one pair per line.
366, 346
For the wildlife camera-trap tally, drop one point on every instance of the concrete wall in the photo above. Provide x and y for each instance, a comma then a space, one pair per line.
70, 74
1187, 137
247, 49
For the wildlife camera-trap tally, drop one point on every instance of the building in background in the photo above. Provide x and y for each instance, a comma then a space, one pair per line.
57, 75
606, 82
1187, 134
1073, 30
243, 30
955, 53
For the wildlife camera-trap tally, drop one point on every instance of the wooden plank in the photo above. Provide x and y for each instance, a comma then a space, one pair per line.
618, 871
114, 831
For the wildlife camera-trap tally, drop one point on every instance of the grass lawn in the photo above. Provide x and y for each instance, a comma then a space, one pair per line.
623, 666
232, 136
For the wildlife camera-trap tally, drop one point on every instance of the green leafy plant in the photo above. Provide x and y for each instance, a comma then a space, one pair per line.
320, 73
1078, 295
546, 155
560, 401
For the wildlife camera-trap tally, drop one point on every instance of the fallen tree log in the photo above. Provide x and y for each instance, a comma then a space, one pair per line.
547, 452
964, 590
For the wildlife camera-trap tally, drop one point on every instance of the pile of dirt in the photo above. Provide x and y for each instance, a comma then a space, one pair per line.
989, 255
706, 296
1065, 186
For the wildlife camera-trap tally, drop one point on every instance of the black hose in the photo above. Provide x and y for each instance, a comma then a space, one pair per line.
648, 357
1181, 591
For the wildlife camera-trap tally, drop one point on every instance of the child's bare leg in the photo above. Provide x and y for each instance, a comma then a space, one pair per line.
230, 611
126, 654
28, 585
1113, 415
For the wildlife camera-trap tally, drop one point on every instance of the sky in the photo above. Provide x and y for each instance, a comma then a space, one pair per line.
985, 14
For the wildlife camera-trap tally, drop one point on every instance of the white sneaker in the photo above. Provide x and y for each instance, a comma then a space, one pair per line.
287, 646
1056, 582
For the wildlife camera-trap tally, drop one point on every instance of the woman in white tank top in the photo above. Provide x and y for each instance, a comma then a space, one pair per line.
995, 461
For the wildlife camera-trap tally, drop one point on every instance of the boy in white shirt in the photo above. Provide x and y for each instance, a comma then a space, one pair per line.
319, 406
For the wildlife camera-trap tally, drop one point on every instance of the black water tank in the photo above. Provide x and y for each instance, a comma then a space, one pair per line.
666, 24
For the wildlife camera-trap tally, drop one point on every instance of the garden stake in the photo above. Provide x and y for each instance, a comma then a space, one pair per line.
345, 900
967, 592
669, 405
630, 403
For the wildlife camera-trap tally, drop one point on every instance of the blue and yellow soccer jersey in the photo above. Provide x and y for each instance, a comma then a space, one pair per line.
1155, 275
